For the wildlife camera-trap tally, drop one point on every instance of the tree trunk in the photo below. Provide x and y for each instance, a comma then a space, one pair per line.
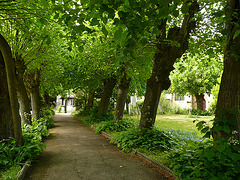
6, 121
164, 58
199, 99
122, 92
23, 99
108, 86
11, 80
35, 95
228, 104
90, 101
152, 96
47, 100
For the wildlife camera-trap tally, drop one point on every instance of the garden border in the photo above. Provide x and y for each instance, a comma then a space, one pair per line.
22, 172
153, 162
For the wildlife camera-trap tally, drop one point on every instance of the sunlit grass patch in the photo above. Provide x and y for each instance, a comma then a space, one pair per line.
181, 122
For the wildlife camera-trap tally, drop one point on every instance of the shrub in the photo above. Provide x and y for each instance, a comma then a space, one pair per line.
96, 118
46, 112
115, 126
199, 112
38, 128
12, 155
209, 160
145, 139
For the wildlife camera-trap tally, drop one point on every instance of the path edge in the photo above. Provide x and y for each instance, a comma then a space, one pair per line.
153, 162
22, 172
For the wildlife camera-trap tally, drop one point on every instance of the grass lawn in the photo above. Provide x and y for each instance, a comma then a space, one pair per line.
176, 121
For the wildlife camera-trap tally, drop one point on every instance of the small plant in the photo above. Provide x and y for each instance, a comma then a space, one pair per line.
145, 139
115, 126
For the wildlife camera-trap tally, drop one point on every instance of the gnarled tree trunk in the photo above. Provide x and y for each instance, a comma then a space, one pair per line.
229, 93
122, 92
23, 99
6, 121
108, 85
164, 58
11, 81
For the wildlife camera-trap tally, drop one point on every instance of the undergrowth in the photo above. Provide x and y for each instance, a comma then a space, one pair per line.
145, 139
114, 126
12, 157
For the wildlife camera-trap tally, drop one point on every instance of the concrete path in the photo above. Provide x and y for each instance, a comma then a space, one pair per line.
75, 152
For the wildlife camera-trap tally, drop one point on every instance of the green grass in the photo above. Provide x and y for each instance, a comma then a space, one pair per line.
181, 122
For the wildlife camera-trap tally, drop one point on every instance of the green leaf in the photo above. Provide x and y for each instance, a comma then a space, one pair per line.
225, 31
220, 147
49, 41
175, 13
104, 30
234, 156
94, 22
226, 129
219, 13
218, 128
184, 9
44, 3
118, 34
236, 34
80, 48
127, 3
84, 2
209, 153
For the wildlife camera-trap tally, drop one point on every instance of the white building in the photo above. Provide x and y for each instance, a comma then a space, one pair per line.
66, 103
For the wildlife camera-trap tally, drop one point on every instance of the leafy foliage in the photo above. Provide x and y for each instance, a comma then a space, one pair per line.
199, 112
115, 126
195, 74
146, 139
210, 160
13, 155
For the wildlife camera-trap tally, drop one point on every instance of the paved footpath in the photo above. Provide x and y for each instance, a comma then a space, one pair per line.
75, 152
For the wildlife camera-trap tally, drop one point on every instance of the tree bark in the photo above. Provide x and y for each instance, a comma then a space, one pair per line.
199, 99
6, 121
11, 80
122, 92
23, 98
229, 93
108, 85
34, 82
164, 58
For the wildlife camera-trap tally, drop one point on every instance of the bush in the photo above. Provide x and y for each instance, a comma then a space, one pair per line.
146, 139
13, 155
209, 160
115, 126
97, 118
46, 112
199, 112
